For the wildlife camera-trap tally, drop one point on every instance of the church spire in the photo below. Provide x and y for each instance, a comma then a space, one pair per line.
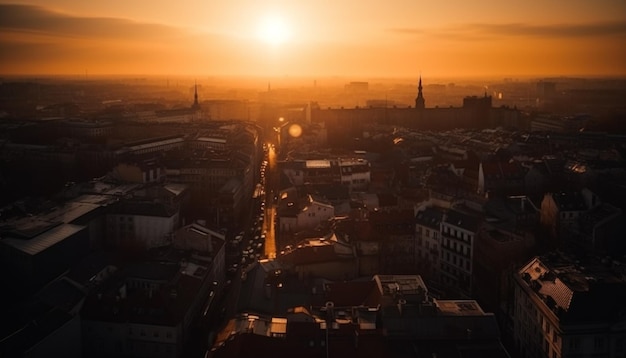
196, 105
419, 101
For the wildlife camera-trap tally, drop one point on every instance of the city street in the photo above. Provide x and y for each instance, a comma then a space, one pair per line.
271, 189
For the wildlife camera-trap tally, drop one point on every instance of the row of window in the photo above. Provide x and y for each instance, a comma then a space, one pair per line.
457, 234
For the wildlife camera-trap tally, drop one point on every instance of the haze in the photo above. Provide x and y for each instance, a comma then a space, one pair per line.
313, 38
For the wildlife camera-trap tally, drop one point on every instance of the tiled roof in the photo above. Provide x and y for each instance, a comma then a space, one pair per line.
577, 293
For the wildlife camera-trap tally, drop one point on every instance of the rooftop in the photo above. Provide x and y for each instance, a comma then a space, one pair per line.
43, 240
431, 217
462, 220
591, 289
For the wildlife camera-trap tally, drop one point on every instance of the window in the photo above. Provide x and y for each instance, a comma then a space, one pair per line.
598, 343
574, 344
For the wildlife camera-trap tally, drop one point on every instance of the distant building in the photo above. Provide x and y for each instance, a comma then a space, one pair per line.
571, 124
476, 112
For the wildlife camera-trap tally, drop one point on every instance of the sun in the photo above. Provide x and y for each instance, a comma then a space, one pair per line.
273, 30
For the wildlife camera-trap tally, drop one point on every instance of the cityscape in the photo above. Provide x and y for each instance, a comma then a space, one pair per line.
309, 179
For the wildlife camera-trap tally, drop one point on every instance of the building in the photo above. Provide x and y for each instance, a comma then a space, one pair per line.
458, 238
35, 249
560, 213
354, 173
148, 308
296, 216
325, 257
565, 307
428, 240
136, 224
476, 112
501, 178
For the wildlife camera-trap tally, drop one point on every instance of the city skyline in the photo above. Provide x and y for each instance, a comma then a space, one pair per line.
281, 38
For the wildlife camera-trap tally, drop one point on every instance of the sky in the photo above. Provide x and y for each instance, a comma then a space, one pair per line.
371, 38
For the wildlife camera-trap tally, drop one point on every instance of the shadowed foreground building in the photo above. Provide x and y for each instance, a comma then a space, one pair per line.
570, 308
388, 316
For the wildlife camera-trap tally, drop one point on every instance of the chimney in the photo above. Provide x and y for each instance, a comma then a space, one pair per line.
401, 303
268, 291
330, 312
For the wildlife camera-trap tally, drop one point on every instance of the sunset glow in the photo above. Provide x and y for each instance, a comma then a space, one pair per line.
350, 38
274, 30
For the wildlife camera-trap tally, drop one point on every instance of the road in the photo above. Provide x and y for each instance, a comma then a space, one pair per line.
271, 188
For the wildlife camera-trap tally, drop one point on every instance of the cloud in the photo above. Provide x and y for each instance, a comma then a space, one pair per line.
484, 31
34, 39
556, 30
34, 19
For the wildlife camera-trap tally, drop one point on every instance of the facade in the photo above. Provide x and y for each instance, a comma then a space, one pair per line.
309, 215
354, 173
428, 237
458, 238
141, 225
564, 309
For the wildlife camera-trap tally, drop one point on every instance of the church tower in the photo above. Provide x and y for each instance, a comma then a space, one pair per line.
419, 101
195, 105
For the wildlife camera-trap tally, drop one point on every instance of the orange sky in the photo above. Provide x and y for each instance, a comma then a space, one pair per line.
369, 38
